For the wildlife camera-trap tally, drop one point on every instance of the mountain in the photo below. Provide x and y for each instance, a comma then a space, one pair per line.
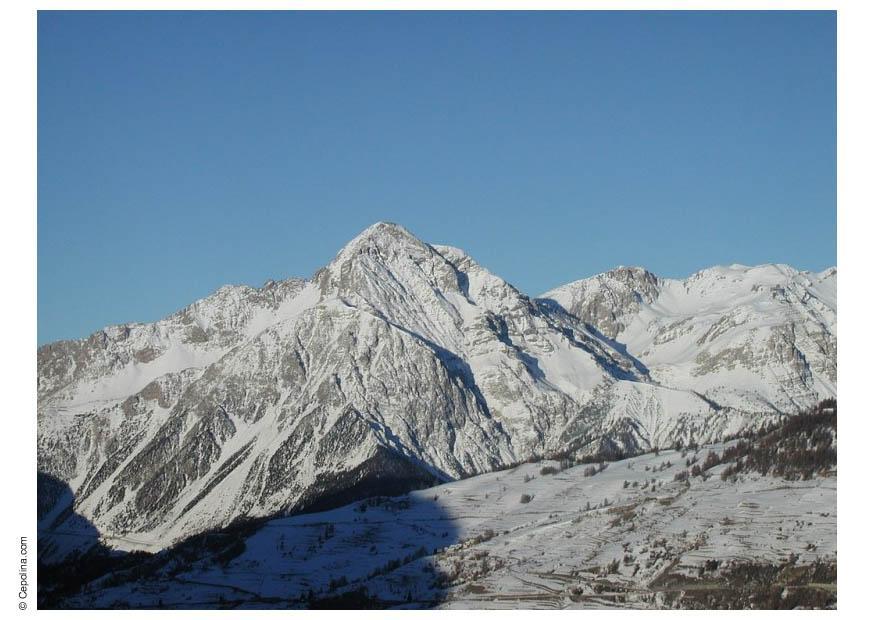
752, 338
397, 366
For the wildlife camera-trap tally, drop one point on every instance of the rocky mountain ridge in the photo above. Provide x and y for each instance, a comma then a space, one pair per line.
401, 364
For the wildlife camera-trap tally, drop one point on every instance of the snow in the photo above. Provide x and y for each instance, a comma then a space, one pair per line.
135, 376
289, 309
536, 552
735, 311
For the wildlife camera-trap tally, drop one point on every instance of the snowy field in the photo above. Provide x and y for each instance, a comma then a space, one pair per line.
522, 537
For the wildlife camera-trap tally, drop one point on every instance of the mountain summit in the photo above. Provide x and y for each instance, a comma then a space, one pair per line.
398, 365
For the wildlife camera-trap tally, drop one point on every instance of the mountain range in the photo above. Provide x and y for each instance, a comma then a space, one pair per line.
400, 365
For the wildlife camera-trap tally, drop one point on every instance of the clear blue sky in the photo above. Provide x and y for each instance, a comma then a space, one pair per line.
182, 151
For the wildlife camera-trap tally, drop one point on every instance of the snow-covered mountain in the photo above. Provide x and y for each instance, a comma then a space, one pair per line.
751, 338
398, 365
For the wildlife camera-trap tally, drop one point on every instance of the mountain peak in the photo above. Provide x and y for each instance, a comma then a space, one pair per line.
386, 267
383, 233
632, 273
382, 242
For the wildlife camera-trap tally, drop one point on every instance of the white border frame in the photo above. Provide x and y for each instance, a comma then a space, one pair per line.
856, 168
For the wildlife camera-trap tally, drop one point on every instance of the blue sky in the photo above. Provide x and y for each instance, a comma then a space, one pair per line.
182, 151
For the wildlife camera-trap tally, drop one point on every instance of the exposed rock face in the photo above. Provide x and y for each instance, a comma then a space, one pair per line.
605, 300
401, 363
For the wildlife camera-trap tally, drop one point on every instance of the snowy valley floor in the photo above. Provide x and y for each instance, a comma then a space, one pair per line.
635, 534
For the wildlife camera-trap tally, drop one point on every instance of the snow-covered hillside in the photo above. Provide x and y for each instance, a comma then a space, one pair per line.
398, 365
640, 532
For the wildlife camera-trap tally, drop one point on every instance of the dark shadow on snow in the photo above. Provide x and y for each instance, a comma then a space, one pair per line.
380, 542
69, 550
